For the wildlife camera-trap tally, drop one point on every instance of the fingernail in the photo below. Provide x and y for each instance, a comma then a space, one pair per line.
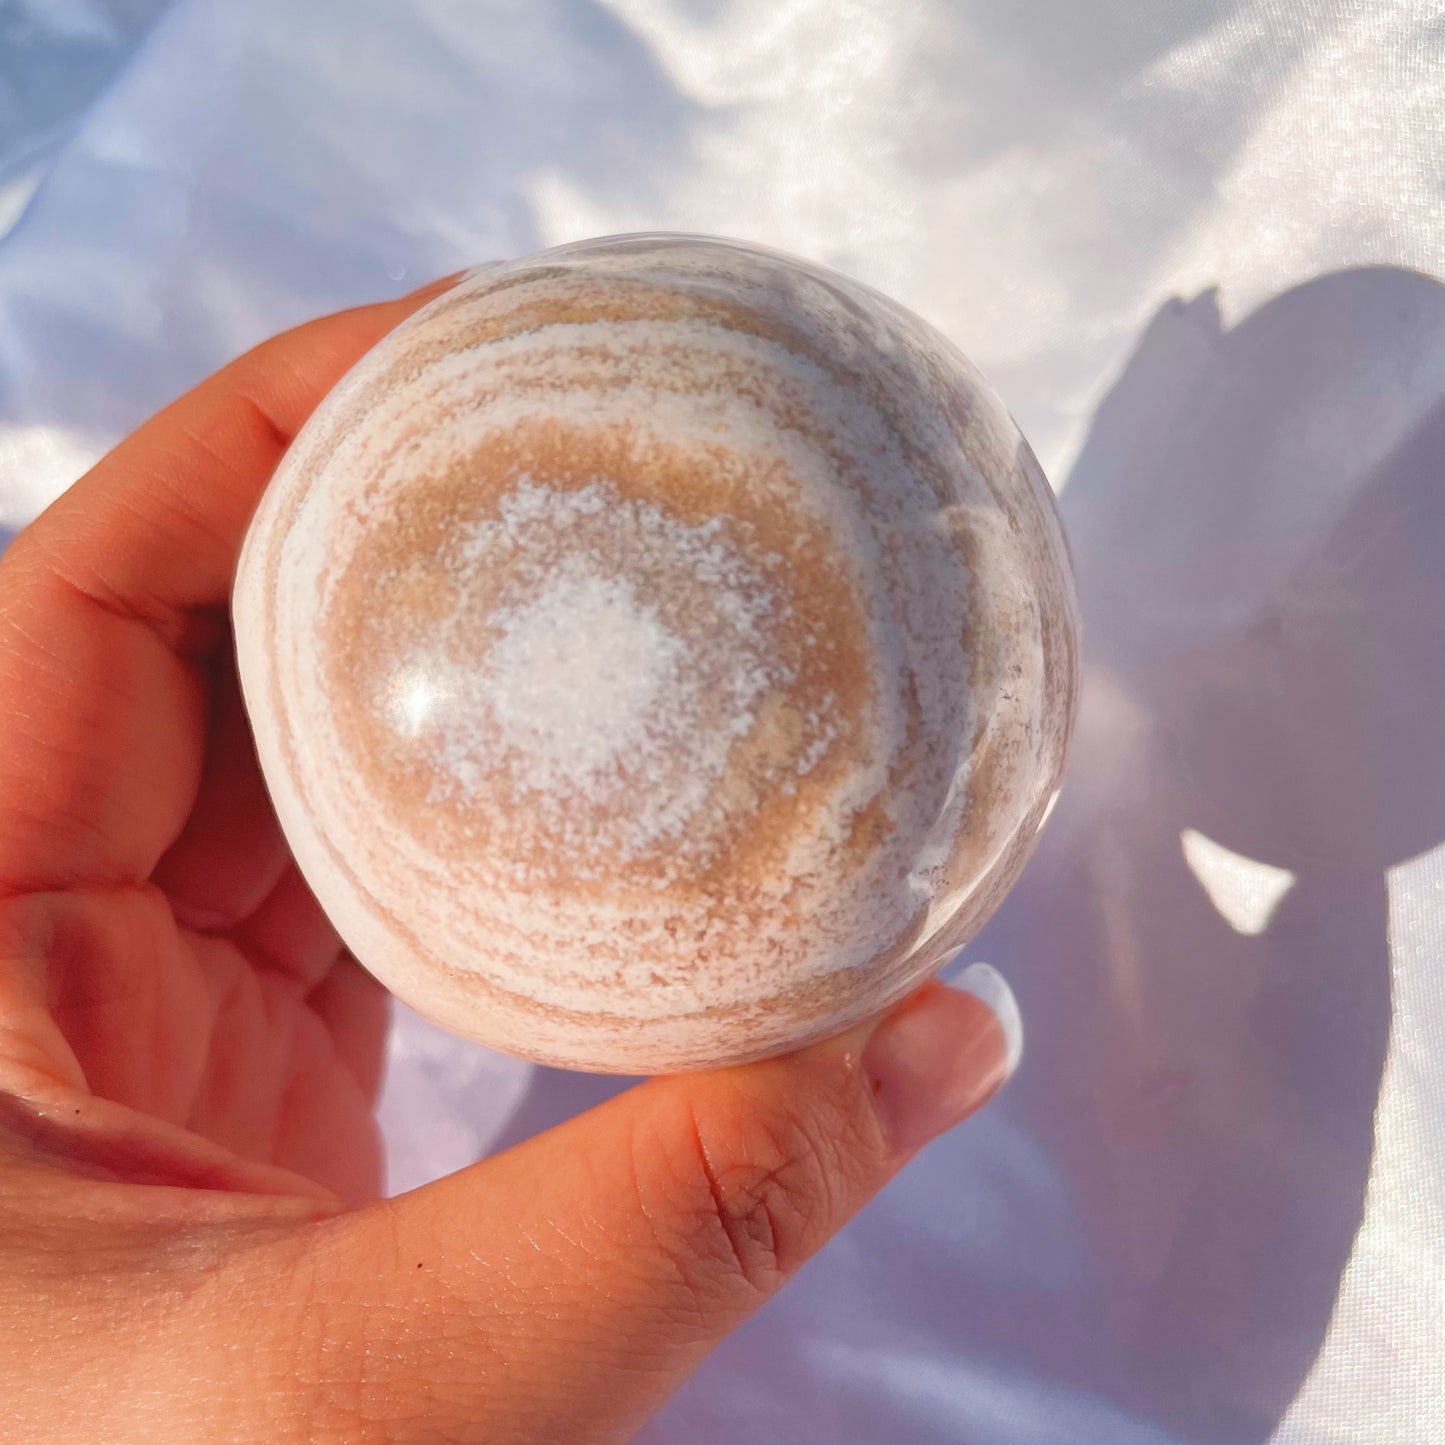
989, 986
942, 1055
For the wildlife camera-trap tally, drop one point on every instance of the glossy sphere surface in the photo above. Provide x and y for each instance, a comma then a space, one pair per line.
661, 652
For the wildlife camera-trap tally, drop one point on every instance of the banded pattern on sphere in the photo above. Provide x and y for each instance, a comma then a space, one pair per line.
661, 653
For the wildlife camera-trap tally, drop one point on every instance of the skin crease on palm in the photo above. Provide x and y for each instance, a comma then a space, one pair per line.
191, 1243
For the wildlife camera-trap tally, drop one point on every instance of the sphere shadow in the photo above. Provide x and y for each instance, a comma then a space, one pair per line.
1256, 518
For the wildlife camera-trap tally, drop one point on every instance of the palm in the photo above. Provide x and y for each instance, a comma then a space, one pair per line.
215, 996
225, 1045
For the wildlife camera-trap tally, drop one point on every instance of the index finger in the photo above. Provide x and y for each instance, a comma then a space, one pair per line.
112, 602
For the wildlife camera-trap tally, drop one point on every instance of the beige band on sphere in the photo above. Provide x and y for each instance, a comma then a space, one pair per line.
661, 653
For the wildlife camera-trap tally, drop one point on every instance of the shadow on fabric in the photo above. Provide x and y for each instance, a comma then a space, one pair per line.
1256, 518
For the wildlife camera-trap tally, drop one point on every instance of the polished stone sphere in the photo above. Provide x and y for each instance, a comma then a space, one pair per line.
661, 653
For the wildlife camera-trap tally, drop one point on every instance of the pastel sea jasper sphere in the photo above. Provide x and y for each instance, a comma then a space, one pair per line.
661, 653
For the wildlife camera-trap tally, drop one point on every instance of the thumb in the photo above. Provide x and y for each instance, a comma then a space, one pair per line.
560, 1290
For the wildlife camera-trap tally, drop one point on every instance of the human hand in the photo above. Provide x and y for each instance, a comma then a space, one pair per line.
190, 1244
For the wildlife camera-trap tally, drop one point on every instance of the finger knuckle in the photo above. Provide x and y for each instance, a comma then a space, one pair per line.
748, 1197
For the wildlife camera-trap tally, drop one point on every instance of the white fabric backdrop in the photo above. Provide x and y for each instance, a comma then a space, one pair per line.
1192, 244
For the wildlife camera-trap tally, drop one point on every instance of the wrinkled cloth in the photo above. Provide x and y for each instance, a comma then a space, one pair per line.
1194, 246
